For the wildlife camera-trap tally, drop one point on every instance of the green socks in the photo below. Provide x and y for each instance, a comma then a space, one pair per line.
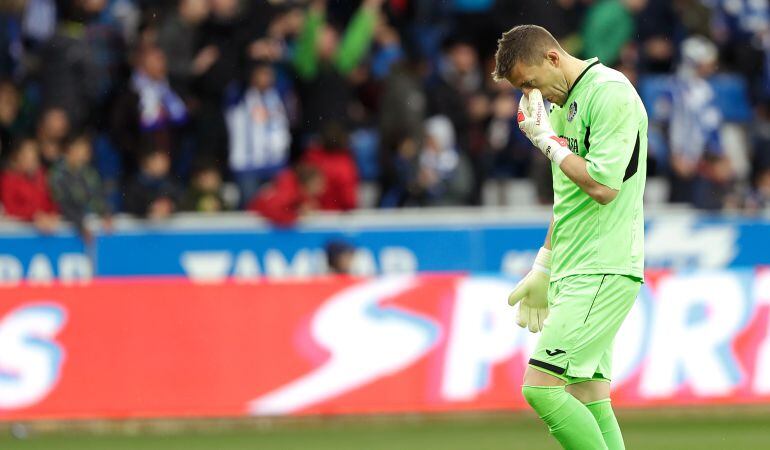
568, 420
608, 424
575, 425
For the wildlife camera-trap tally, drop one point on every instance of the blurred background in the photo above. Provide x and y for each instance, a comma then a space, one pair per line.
273, 209
205, 105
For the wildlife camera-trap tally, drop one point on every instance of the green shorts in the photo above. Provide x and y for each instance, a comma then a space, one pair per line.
586, 312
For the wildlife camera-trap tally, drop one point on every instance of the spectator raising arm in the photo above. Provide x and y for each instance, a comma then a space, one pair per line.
354, 45
306, 54
358, 36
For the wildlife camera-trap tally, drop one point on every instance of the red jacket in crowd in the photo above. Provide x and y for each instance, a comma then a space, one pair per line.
25, 195
341, 174
282, 201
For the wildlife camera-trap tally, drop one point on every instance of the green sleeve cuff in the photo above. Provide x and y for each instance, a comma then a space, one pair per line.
600, 177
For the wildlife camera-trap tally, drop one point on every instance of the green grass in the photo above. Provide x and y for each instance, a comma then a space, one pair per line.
648, 430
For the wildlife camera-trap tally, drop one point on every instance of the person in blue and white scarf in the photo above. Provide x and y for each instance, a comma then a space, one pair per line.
159, 105
694, 128
258, 126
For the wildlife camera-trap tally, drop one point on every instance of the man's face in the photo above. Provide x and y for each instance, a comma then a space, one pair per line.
194, 10
28, 160
208, 180
263, 77
155, 64
9, 103
328, 42
157, 165
464, 58
224, 9
547, 77
55, 124
93, 6
345, 262
79, 153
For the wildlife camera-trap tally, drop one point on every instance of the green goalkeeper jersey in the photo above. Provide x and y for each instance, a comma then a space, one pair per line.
604, 122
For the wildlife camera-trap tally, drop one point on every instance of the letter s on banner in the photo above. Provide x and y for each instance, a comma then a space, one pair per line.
30, 359
366, 339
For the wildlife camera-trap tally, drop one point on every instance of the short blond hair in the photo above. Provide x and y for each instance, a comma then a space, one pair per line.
526, 43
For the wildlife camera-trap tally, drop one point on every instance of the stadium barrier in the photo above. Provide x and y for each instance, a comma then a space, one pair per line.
170, 347
210, 248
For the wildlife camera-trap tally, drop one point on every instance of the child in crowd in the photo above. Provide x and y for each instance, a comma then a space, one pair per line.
152, 193
76, 186
24, 190
205, 191
332, 157
294, 192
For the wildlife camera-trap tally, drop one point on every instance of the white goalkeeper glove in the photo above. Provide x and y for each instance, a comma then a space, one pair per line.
534, 123
532, 292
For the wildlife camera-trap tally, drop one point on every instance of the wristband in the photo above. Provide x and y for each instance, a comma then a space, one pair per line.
560, 154
543, 261
556, 149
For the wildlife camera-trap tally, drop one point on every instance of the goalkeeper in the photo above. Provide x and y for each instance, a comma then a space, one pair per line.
590, 269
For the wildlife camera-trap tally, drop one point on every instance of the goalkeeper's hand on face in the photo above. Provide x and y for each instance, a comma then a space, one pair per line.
534, 123
532, 293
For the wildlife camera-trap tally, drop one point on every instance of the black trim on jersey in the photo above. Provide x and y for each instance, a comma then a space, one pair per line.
633, 163
586, 142
580, 77
594, 300
546, 366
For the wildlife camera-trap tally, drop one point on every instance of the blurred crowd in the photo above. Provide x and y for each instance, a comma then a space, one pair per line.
287, 107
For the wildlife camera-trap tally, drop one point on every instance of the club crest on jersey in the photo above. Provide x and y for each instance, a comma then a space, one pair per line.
572, 111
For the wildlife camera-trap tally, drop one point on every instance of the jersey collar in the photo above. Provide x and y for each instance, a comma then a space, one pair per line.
592, 62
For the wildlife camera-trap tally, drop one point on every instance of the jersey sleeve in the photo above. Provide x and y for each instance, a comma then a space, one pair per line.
613, 133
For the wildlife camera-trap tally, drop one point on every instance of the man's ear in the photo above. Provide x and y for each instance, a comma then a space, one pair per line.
553, 57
